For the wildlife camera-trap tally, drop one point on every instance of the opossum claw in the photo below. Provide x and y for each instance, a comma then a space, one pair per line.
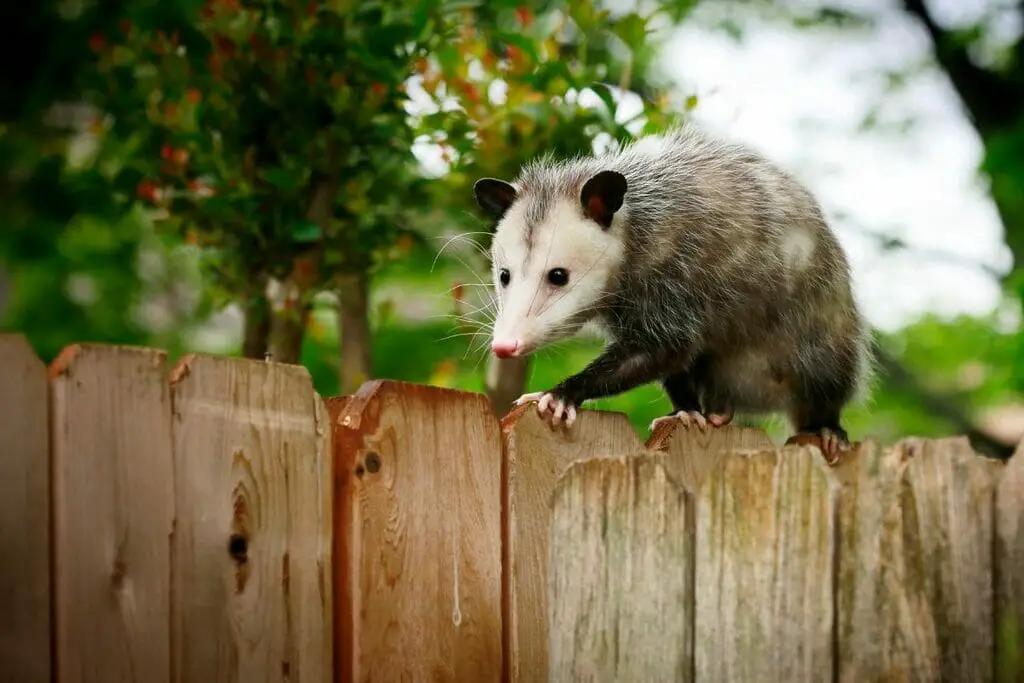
526, 398
833, 444
558, 407
695, 418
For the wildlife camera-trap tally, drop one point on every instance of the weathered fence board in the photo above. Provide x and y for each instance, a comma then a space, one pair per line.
113, 513
915, 591
537, 456
618, 581
419, 510
764, 567
1009, 598
252, 565
690, 454
24, 514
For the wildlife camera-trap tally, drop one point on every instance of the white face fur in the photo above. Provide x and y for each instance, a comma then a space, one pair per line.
547, 288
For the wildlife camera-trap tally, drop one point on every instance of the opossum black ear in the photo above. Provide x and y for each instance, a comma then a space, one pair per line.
602, 196
494, 196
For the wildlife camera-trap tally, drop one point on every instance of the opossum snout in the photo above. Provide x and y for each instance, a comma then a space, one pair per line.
506, 348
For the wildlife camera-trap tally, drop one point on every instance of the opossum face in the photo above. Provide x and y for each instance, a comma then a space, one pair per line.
552, 259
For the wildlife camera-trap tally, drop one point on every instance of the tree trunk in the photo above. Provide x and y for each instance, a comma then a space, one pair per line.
256, 340
287, 330
506, 381
356, 362
5, 292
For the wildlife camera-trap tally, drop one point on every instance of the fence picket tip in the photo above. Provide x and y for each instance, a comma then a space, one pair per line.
17, 340
670, 431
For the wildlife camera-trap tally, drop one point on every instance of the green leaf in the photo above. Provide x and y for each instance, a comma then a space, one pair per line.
632, 29
283, 178
304, 232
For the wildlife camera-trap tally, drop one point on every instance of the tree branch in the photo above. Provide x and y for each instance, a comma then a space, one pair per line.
942, 406
992, 101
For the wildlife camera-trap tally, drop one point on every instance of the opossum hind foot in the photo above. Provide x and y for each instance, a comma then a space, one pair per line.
695, 419
833, 442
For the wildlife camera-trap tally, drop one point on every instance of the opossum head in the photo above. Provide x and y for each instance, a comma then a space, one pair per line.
553, 257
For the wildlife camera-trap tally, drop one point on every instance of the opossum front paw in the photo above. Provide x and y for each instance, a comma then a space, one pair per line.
834, 443
548, 402
695, 418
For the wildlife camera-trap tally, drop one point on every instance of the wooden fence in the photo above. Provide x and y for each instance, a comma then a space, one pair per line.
218, 521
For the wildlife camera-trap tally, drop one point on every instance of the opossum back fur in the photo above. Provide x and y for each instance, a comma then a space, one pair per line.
727, 251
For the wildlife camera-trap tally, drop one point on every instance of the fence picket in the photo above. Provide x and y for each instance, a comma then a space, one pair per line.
618, 579
419, 518
764, 564
252, 564
537, 457
1009, 559
113, 514
24, 514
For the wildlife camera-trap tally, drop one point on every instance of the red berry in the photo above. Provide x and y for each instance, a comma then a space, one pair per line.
97, 42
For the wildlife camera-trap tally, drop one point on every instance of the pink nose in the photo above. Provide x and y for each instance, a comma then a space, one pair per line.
505, 348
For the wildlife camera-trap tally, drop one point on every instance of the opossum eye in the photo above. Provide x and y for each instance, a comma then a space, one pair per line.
558, 276
504, 277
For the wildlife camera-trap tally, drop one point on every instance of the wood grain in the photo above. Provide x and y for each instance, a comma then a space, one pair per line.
420, 519
252, 562
537, 457
1009, 559
24, 514
914, 587
691, 453
113, 513
618, 581
764, 567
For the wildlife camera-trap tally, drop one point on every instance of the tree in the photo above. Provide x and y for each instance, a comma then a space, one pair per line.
274, 136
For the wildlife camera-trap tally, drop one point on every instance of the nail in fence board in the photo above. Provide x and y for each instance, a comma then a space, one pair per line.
24, 514
537, 457
618, 580
915, 585
252, 569
1009, 598
764, 565
113, 514
419, 514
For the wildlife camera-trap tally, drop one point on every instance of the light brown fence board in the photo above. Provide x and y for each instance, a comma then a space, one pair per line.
252, 565
764, 566
421, 521
618, 581
24, 514
537, 456
692, 453
1009, 598
113, 514
915, 585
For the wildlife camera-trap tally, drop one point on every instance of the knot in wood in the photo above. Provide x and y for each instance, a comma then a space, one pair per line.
238, 548
372, 462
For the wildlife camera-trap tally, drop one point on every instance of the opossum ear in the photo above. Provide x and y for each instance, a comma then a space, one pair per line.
494, 196
602, 196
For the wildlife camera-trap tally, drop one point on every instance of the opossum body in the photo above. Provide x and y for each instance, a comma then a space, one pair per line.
707, 267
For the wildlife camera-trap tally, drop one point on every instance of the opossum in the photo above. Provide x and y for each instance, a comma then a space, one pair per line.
706, 266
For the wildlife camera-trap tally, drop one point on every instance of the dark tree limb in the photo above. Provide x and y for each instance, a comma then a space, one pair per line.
941, 406
992, 100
